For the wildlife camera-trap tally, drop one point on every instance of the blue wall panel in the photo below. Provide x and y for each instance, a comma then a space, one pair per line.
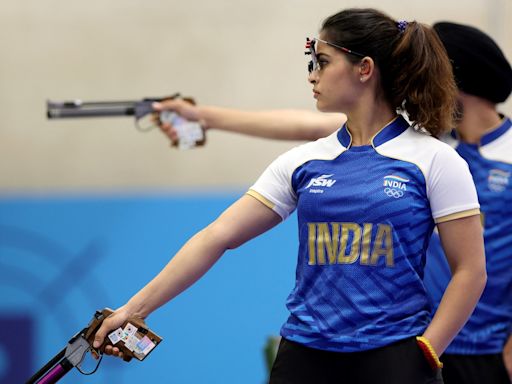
61, 258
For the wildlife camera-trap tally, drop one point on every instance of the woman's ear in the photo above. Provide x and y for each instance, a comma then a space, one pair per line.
366, 68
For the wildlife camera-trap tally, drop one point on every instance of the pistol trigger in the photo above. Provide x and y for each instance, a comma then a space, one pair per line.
95, 353
167, 117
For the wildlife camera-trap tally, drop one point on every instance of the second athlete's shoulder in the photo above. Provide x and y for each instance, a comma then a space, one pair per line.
496, 144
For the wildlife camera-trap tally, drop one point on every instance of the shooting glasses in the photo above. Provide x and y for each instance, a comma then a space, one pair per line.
310, 50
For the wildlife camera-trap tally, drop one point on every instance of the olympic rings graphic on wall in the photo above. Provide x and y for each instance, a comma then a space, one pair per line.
393, 193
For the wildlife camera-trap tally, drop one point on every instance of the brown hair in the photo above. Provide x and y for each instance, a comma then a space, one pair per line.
416, 73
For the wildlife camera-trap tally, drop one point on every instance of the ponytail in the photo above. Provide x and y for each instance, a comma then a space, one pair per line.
421, 79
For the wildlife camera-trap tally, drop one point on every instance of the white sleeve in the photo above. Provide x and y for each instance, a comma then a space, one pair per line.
274, 187
450, 187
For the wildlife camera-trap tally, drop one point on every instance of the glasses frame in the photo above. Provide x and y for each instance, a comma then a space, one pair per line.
310, 46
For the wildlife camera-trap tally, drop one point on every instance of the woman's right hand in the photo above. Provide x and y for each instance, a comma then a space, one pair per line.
182, 107
111, 323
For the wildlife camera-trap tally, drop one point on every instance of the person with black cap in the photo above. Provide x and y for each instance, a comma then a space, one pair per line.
483, 137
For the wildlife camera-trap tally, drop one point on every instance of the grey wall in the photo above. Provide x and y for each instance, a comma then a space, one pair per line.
245, 54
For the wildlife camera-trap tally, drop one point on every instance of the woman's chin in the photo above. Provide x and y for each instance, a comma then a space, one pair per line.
324, 108
321, 107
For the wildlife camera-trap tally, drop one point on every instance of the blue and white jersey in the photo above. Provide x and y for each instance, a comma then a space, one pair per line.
365, 216
490, 324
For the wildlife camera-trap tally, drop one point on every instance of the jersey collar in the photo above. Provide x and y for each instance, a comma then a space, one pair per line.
496, 133
389, 132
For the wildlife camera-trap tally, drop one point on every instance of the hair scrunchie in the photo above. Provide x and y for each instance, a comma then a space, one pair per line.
401, 25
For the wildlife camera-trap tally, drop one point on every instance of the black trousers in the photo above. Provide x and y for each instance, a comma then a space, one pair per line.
474, 369
399, 363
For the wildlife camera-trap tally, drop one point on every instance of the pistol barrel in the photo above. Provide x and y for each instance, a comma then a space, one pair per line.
77, 108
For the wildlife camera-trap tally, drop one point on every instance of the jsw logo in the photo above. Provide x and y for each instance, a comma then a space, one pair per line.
321, 181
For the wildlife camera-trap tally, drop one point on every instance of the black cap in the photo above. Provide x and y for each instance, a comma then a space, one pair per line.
479, 65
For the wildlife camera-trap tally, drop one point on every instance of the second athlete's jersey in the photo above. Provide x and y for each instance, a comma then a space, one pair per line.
365, 216
490, 324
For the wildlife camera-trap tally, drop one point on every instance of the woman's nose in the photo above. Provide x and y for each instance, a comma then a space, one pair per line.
312, 77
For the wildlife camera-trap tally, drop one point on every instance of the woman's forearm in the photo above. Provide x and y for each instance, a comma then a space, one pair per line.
193, 260
456, 306
463, 245
507, 356
284, 124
